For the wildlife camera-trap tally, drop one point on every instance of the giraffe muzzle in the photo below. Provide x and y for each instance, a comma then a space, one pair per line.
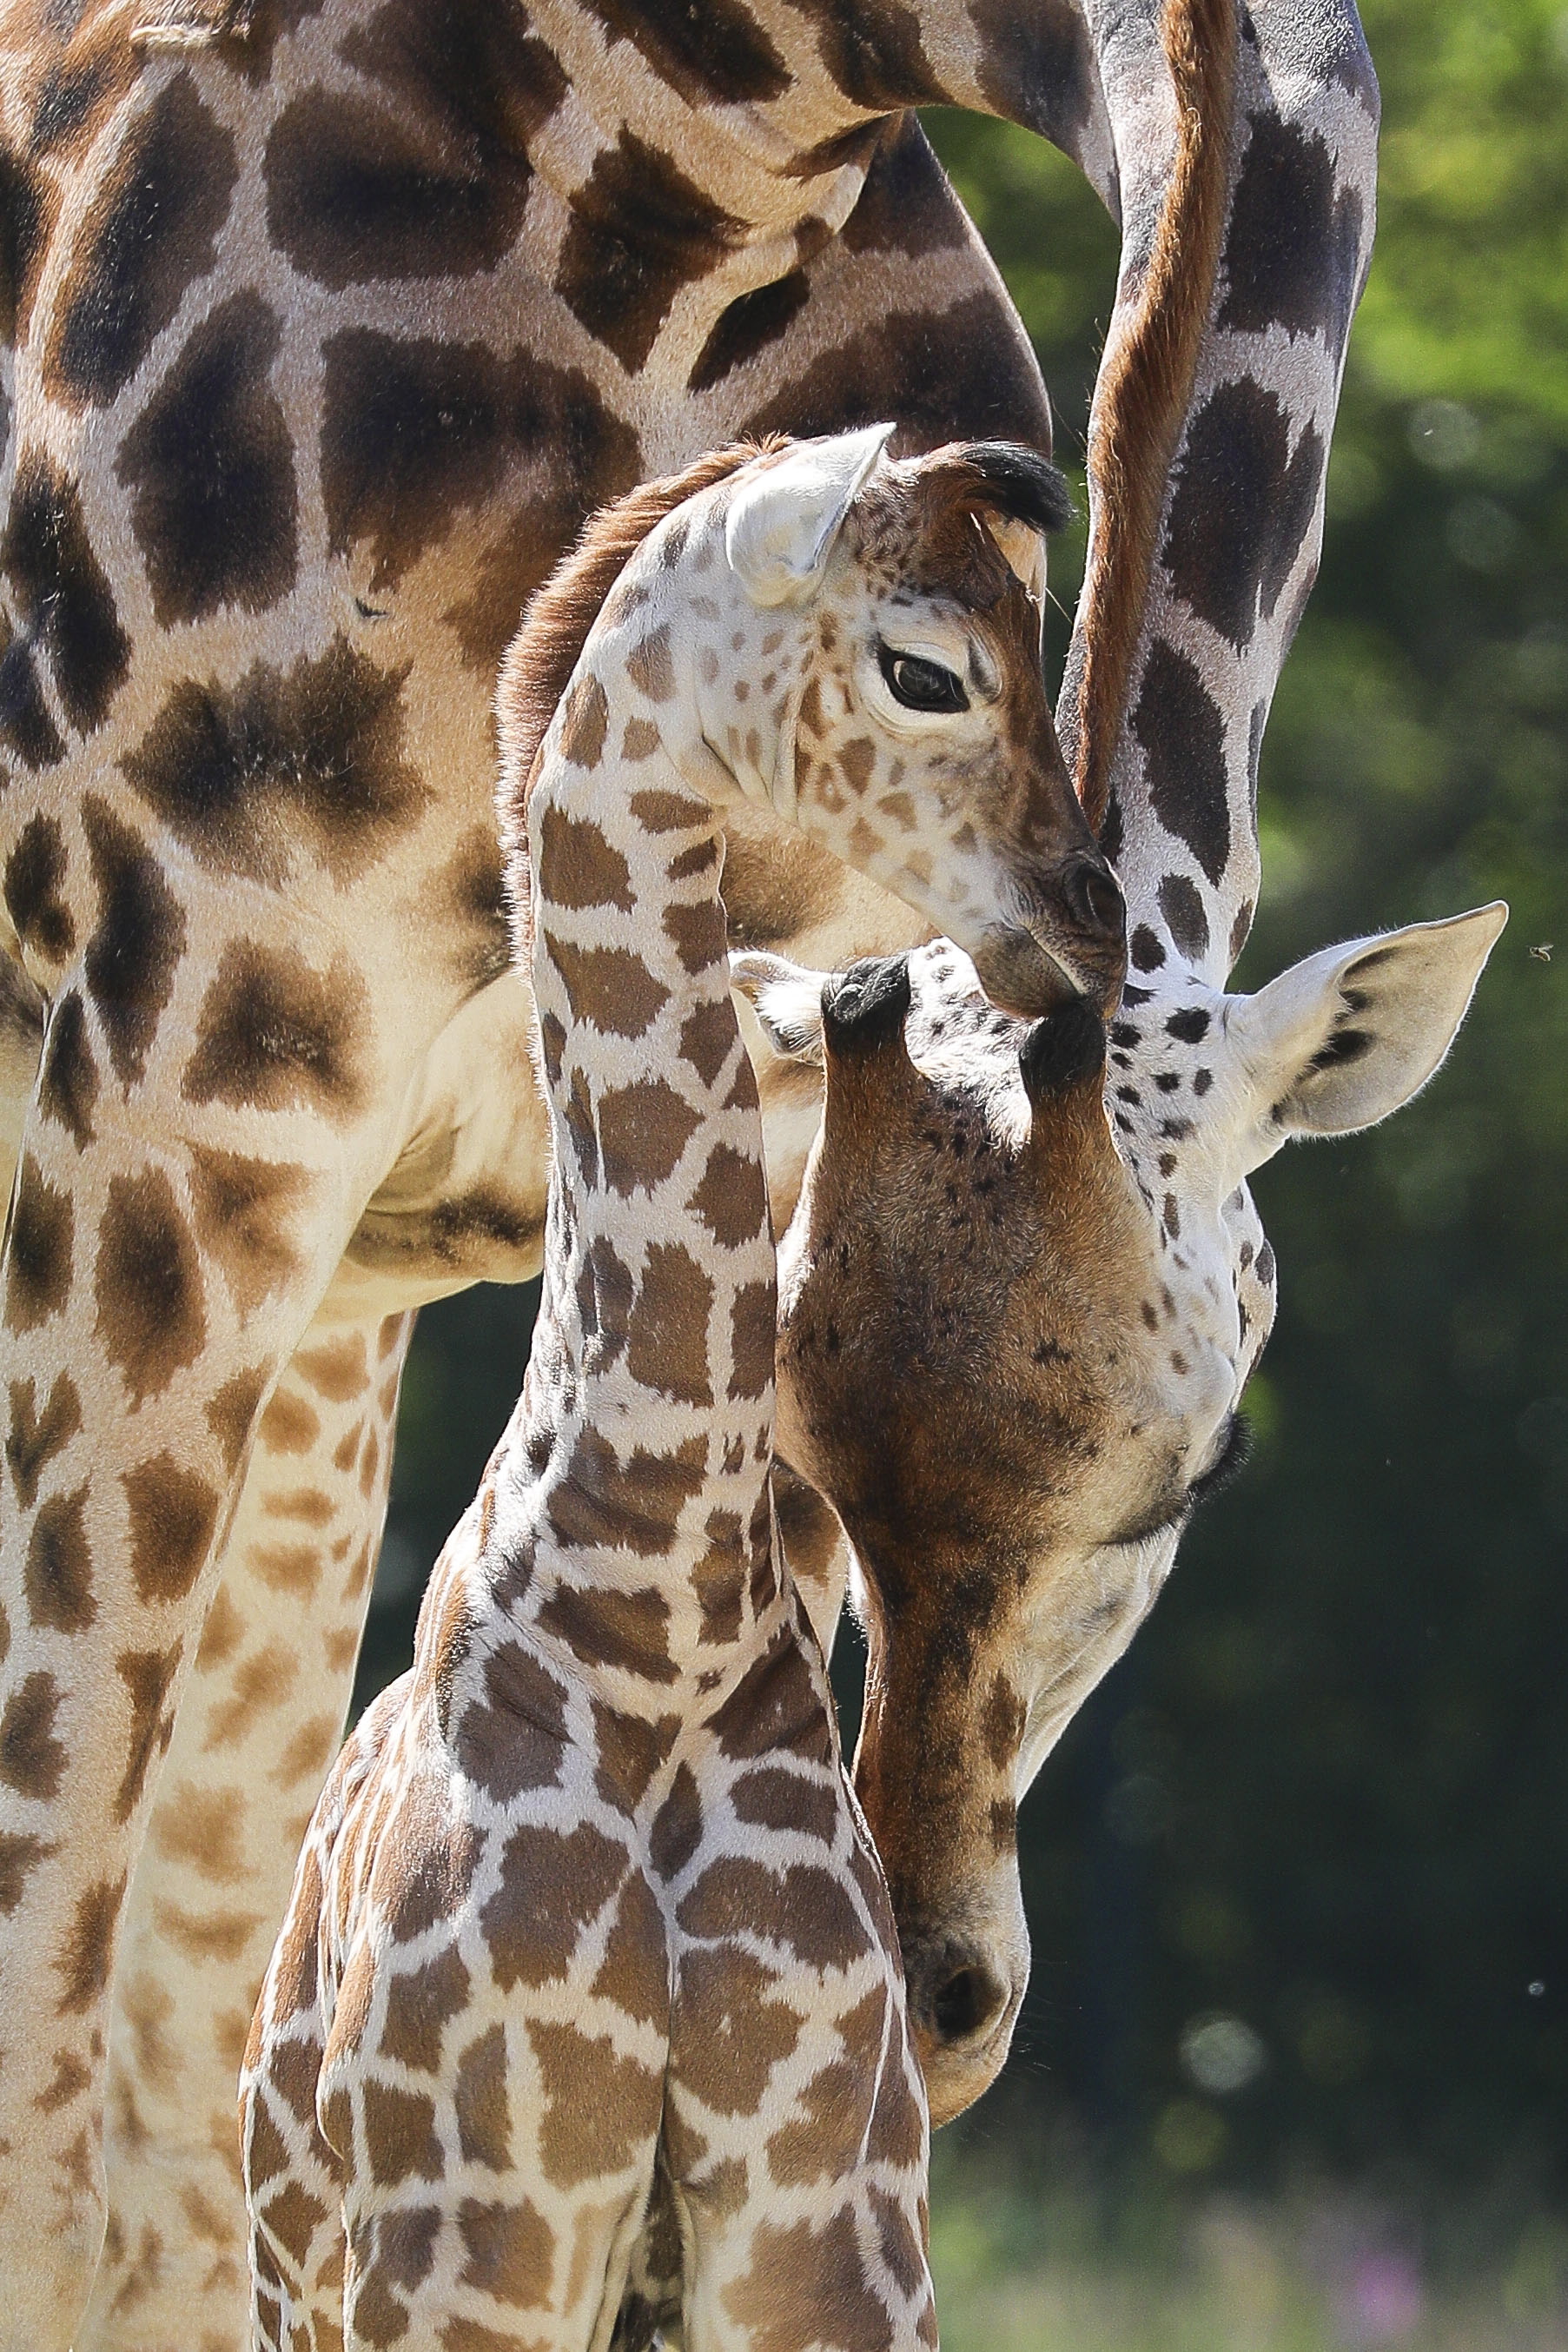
964, 1997
1071, 941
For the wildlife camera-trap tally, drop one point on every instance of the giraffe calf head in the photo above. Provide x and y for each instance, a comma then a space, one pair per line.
916, 735
1018, 1301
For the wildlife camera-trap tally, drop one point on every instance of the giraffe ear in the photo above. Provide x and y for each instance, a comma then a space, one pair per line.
782, 522
786, 1001
1021, 548
1340, 1040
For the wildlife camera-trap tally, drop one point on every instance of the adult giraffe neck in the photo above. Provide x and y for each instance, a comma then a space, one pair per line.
1208, 460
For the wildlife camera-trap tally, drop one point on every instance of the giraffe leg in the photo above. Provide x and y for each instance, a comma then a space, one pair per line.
809, 2222
162, 1261
256, 1730
291, 2178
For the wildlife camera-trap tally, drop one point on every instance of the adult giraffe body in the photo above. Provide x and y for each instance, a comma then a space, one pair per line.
326, 327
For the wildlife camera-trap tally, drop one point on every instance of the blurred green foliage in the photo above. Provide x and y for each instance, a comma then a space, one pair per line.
1326, 1798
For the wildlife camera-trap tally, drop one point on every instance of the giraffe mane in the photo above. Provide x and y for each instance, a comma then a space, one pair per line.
562, 610
1146, 383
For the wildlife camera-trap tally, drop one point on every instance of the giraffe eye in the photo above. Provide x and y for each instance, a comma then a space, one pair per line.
922, 684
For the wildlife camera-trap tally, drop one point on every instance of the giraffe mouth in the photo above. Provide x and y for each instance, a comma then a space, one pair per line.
1023, 976
1070, 940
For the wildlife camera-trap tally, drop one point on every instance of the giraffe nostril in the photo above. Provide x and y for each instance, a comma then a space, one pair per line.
967, 2004
1095, 895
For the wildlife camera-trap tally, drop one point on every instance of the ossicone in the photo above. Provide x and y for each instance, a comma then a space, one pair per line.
1011, 481
1065, 1053
864, 1008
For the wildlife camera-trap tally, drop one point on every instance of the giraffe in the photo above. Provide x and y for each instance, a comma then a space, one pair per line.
597, 1851
1106, 1284
323, 327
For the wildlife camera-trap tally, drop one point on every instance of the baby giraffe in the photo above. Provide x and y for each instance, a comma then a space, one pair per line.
588, 1973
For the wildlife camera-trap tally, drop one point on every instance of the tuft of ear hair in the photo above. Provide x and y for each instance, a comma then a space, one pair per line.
1064, 1054
864, 1008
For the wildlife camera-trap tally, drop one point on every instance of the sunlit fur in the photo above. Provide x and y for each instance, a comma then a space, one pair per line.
1002, 1212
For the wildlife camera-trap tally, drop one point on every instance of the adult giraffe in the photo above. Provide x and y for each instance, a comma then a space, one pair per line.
326, 326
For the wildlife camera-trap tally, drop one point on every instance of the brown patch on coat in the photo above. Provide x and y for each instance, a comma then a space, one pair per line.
480, 2101
137, 943
776, 1798
601, 2109
553, 1885
32, 1760
35, 890
273, 1034
512, 1737
338, 1370
85, 1948
635, 1971
775, 1705
824, 2138
643, 1130
57, 1577
631, 1747
289, 1425
20, 1855
667, 1331
419, 2005
508, 2252
400, 2135
732, 2030
173, 1515
231, 1413
732, 1197
38, 1250
804, 1909
147, 1283
33, 1438
578, 867
147, 1676
610, 987
206, 1828
697, 933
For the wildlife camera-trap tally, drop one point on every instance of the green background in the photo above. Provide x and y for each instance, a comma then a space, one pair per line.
1326, 1794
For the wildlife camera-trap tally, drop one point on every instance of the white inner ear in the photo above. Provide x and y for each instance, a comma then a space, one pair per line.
1342, 1039
787, 1000
1022, 549
782, 523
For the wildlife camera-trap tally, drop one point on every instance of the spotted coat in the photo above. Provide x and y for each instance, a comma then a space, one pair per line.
588, 1926
323, 328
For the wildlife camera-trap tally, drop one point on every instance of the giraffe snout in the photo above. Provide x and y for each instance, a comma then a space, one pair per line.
964, 1991
1071, 940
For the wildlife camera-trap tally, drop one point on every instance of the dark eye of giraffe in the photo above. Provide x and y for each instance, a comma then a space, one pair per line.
922, 684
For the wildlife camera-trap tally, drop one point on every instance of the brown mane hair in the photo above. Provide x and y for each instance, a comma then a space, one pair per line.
544, 652
1145, 387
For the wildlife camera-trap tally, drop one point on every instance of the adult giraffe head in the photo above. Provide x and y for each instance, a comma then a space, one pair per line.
1019, 1304
1026, 1283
